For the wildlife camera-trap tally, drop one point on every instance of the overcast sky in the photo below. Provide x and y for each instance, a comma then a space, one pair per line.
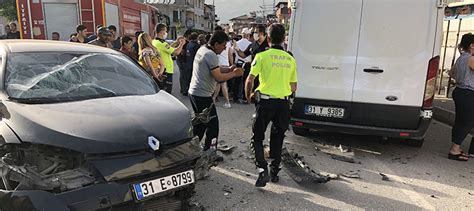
227, 9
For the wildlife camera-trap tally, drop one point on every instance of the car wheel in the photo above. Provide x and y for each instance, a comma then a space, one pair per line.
300, 131
415, 142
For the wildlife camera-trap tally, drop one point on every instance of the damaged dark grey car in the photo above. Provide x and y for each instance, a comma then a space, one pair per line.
85, 128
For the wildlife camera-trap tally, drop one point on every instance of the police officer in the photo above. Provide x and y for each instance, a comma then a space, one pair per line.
167, 51
276, 69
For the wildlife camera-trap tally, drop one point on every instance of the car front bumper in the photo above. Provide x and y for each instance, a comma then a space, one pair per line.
117, 193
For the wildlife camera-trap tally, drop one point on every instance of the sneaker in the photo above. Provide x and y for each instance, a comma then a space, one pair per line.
274, 174
263, 178
227, 105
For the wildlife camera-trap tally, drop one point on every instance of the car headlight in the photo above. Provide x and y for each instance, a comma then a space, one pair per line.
40, 167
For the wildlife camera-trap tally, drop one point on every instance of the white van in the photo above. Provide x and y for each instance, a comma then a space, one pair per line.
366, 66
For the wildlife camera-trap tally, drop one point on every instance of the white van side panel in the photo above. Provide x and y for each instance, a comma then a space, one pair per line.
324, 43
398, 37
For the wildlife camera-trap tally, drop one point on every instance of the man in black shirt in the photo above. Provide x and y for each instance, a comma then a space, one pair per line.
181, 62
103, 39
116, 44
191, 50
13, 34
259, 45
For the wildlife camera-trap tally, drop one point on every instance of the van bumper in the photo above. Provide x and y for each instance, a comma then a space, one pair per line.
418, 133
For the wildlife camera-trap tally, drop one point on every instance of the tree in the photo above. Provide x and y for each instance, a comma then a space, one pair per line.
8, 9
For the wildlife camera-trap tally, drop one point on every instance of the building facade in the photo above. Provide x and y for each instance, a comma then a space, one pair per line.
244, 21
282, 12
181, 15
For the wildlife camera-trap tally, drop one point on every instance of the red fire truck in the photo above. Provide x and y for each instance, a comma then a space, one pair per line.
38, 19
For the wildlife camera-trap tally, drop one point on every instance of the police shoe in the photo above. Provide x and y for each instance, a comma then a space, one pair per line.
274, 174
263, 177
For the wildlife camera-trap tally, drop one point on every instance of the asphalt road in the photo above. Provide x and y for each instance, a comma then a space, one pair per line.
419, 178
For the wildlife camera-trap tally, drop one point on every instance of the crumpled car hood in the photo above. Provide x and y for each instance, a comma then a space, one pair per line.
104, 125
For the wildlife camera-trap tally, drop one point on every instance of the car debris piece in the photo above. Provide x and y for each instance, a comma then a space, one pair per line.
342, 149
343, 158
227, 189
194, 205
225, 148
384, 177
351, 174
338, 153
299, 171
330, 175
207, 160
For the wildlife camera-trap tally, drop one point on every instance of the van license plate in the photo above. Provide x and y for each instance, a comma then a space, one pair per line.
324, 111
149, 188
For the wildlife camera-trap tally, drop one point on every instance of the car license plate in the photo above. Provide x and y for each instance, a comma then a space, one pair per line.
324, 111
149, 188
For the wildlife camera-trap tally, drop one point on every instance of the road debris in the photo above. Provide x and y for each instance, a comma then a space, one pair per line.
330, 175
299, 171
351, 174
194, 205
342, 149
340, 152
384, 177
433, 196
472, 194
227, 189
225, 148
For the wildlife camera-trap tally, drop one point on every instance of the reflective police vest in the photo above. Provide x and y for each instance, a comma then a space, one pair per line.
276, 69
165, 50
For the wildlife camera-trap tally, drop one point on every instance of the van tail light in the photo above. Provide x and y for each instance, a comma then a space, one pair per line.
433, 66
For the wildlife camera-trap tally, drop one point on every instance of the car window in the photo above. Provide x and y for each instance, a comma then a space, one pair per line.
58, 77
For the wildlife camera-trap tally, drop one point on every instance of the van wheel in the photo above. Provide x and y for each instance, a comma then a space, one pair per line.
300, 131
415, 142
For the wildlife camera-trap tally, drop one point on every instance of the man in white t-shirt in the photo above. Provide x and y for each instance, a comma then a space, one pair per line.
238, 87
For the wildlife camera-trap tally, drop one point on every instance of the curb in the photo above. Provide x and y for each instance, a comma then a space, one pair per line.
443, 115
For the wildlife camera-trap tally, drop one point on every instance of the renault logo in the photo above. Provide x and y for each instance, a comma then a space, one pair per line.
154, 143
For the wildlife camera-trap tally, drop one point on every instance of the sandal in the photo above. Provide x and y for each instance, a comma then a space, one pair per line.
458, 157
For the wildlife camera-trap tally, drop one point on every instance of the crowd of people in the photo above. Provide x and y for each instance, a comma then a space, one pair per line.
11, 32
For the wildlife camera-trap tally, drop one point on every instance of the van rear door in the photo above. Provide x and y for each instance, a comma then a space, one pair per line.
397, 40
324, 40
